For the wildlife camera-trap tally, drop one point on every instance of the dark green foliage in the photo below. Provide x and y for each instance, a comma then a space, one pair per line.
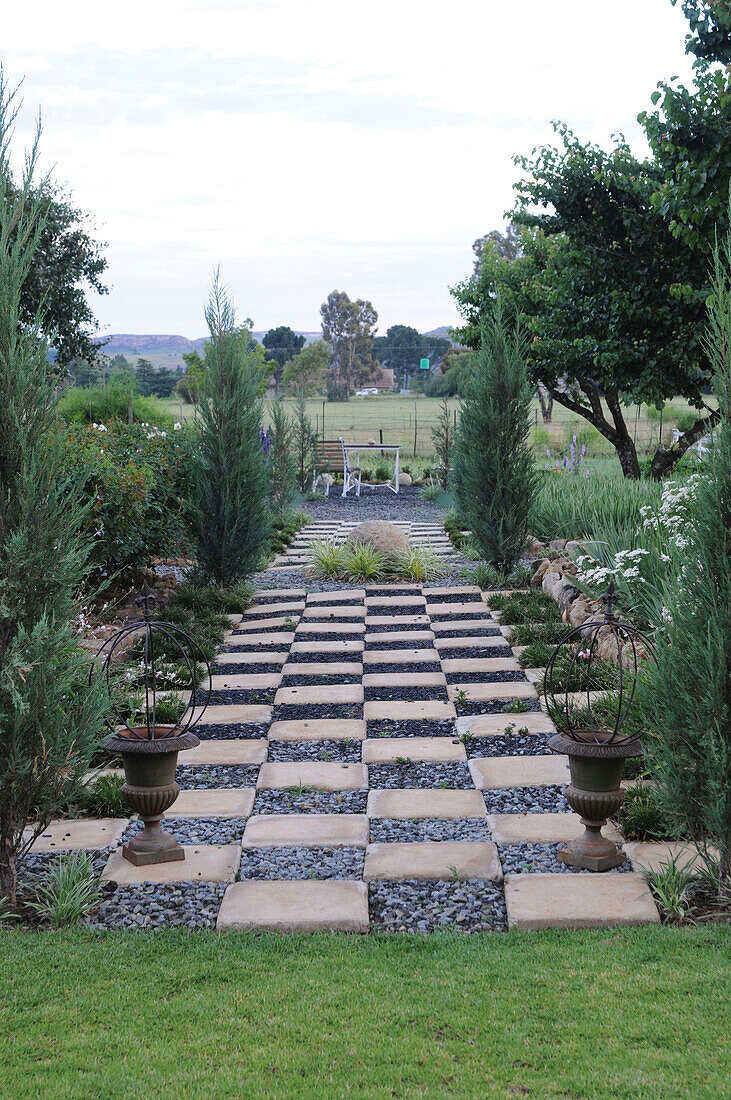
111, 404
548, 633
51, 720
495, 478
229, 521
710, 25
104, 797
687, 696
525, 607
282, 344
642, 817
443, 437
280, 463
303, 441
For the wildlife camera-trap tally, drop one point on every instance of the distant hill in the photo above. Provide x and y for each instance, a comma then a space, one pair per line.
443, 333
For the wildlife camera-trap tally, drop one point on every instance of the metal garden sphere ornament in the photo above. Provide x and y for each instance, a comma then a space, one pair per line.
148, 746
592, 736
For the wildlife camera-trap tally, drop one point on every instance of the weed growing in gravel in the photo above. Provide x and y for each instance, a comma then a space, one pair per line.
461, 697
405, 760
516, 706
66, 890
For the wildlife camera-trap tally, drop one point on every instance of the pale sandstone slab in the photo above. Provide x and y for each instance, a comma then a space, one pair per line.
260, 641
244, 680
321, 694
481, 693
491, 725
255, 658
254, 625
400, 656
226, 752
307, 831
202, 863
386, 750
541, 828
652, 855
234, 617
420, 803
383, 638
318, 729
336, 597
356, 627
480, 664
490, 641
426, 710
474, 607
440, 593
406, 621
394, 601
324, 776
457, 626
295, 907
345, 611
226, 802
279, 593
404, 679
339, 645
443, 859
262, 609
235, 712
578, 901
323, 668
518, 771
65, 836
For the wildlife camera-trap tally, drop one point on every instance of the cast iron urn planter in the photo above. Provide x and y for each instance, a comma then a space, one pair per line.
149, 748
596, 748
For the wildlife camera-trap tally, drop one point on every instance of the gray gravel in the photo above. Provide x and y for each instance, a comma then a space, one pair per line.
239, 697
521, 859
231, 731
197, 830
310, 802
531, 800
531, 744
342, 751
392, 830
413, 906
209, 777
425, 776
150, 905
301, 863
314, 711
495, 706
385, 727
405, 694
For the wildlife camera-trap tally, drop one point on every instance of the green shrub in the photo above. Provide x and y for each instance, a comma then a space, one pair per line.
104, 797
684, 421
419, 565
66, 890
584, 507
641, 815
280, 460
525, 607
110, 405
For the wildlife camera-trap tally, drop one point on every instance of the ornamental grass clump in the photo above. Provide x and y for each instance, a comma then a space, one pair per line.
230, 494
51, 719
495, 477
687, 696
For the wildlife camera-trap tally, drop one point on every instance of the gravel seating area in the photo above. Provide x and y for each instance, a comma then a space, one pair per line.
366, 798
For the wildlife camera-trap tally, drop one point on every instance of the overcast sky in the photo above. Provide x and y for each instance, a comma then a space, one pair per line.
308, 145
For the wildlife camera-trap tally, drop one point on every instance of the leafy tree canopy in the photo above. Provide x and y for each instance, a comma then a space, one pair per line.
710, 27
282, 344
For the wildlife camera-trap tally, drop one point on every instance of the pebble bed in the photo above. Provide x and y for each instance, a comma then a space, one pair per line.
396, 643
393, 830
316, 680
405, 694
402, 776
337, 657
206, 777
530, 744
413, 906
457, 653
310, 802
299, 863
151, 905
513, 676
532, 800
197, 830
233, 731
239, 697
521, 859
343, 751
314, 711
387, 727
493, 706
257, 669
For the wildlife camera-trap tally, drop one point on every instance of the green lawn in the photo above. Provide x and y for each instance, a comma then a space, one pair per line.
631, 1013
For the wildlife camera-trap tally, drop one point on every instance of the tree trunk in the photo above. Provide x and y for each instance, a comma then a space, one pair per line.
665, 458
8, 877
627, 455
546, 402
616, 432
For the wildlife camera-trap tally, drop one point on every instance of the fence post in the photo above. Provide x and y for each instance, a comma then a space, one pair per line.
323, 420
416, 427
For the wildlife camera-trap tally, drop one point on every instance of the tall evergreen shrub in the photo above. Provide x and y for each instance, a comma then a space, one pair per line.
304, 439
495, 478
687, 696
230, 513
281, 474
51, 720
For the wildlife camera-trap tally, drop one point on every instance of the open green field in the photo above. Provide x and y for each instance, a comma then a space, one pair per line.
409, 421
603, 1015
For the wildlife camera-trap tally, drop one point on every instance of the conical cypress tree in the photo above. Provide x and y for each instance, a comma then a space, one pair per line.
51, 719
495, 477
230, 513
687, 695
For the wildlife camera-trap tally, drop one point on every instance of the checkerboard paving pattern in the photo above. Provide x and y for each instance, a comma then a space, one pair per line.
429, 535
363, 754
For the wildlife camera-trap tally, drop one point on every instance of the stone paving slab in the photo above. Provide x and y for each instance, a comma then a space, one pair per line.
226, 752
319, 696
387, 750
652, 855
323, 668
202, 863
339, 611
230, 713
256, 658
394, 601
386, 637
324, 776
495, 772
279, 593
244, 681
213, 802
307, 831
425, 710
356, 627
247, 626
404, 679
486, 693
295, 907
79, 833
260, 641
259, 610
407, 621
459, 626
472, 608
318, 729
346, 596
400, 657
480, 664
340, 645
578, 901
492, 641
444, 859
541, 828
492, 725
419, 803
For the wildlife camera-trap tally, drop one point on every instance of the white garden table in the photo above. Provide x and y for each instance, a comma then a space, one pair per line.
357, 449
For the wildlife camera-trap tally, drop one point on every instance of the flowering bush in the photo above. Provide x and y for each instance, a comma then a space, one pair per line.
136, 481
573, 463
